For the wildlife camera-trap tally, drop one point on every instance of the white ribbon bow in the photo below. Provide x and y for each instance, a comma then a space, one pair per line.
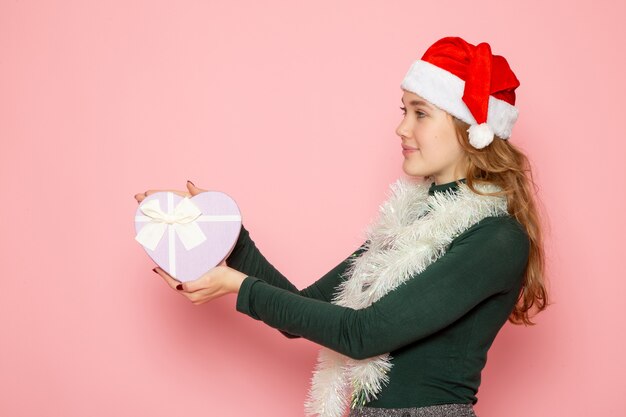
181, 219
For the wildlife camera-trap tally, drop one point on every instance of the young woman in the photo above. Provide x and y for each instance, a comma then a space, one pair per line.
406, 320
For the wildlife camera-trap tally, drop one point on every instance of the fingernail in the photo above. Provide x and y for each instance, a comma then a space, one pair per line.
179, 287
191, 183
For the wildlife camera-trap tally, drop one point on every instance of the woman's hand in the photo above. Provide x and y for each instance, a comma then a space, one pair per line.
213, 284
192, 190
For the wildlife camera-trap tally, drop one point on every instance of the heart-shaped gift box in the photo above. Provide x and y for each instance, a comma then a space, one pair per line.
187, 236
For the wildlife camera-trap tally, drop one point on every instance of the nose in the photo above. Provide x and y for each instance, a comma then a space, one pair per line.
403, 129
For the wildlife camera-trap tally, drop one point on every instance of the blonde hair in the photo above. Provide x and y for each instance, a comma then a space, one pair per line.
503, 164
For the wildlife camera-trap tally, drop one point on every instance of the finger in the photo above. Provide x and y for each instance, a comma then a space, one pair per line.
197, 297
191, 286
205, 282
179, 192
141, 196
194, 297
200, 297
167, 277
193, 189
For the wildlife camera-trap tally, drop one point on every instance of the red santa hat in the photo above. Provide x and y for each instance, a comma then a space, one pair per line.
470, 83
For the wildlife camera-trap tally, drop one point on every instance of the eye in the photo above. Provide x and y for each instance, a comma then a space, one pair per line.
420, 114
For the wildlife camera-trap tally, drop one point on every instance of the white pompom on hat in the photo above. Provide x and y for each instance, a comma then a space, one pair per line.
470, 83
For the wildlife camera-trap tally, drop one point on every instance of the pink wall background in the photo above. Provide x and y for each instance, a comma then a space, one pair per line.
291, 108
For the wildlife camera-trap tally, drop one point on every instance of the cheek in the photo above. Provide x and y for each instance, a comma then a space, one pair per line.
449, 142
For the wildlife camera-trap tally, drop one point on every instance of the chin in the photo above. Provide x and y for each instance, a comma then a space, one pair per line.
414, 172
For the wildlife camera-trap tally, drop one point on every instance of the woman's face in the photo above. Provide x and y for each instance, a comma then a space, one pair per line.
429, 132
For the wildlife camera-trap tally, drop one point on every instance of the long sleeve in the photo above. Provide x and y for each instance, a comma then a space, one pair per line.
487, 260
246, 257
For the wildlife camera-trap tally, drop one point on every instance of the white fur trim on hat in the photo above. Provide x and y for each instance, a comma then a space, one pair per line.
445, 90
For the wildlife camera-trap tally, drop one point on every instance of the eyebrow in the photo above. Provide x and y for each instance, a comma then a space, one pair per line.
417, 103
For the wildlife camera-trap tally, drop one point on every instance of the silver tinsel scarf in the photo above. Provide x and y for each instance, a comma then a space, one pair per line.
412, 231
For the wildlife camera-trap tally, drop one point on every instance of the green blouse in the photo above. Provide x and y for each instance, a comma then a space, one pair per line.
437, 326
